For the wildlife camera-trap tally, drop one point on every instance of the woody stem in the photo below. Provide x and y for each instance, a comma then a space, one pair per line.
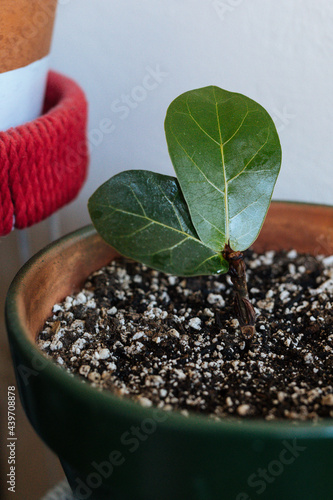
244, 310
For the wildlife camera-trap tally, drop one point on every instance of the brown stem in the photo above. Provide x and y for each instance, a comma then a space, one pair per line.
244, 310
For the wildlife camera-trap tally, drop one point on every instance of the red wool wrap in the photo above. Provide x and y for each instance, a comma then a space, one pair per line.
43, 163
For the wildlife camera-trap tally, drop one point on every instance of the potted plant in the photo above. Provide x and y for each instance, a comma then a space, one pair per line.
112, 447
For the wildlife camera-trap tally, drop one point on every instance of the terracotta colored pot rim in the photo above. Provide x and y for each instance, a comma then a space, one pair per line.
124, 407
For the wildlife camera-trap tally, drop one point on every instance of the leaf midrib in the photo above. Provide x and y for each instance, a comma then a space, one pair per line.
226, 206
221, 144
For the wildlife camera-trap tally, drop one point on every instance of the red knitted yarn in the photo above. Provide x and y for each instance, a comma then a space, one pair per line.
43, 163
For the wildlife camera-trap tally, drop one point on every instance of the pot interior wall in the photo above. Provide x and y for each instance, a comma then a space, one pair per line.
307, 228
58, 272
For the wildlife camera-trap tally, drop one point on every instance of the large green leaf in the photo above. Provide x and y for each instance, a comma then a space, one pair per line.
227, 156
144, 216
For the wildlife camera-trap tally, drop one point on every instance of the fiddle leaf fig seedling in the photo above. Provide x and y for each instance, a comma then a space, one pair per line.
226, 154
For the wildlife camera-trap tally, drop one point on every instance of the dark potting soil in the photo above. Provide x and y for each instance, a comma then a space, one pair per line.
173, 342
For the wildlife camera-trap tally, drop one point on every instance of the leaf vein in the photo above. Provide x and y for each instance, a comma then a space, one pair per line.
204, 261
198, 124
196, 165
238, 129
157, 223
137, 199
168, 248
251, 159
210, 223
247, 206
137, 231
173, 207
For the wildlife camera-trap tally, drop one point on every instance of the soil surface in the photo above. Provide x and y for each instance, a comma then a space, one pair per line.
174, 343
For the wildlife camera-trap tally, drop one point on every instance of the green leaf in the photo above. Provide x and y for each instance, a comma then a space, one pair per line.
227, 156
144, 216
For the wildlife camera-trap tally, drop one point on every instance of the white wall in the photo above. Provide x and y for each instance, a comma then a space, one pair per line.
278, 53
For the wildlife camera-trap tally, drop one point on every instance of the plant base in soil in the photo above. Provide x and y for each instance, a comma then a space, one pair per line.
173, 343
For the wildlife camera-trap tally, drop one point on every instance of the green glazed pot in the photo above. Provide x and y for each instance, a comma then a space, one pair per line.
113, 448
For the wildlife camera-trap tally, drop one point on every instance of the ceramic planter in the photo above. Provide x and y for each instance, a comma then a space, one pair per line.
115, 449
26, 30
